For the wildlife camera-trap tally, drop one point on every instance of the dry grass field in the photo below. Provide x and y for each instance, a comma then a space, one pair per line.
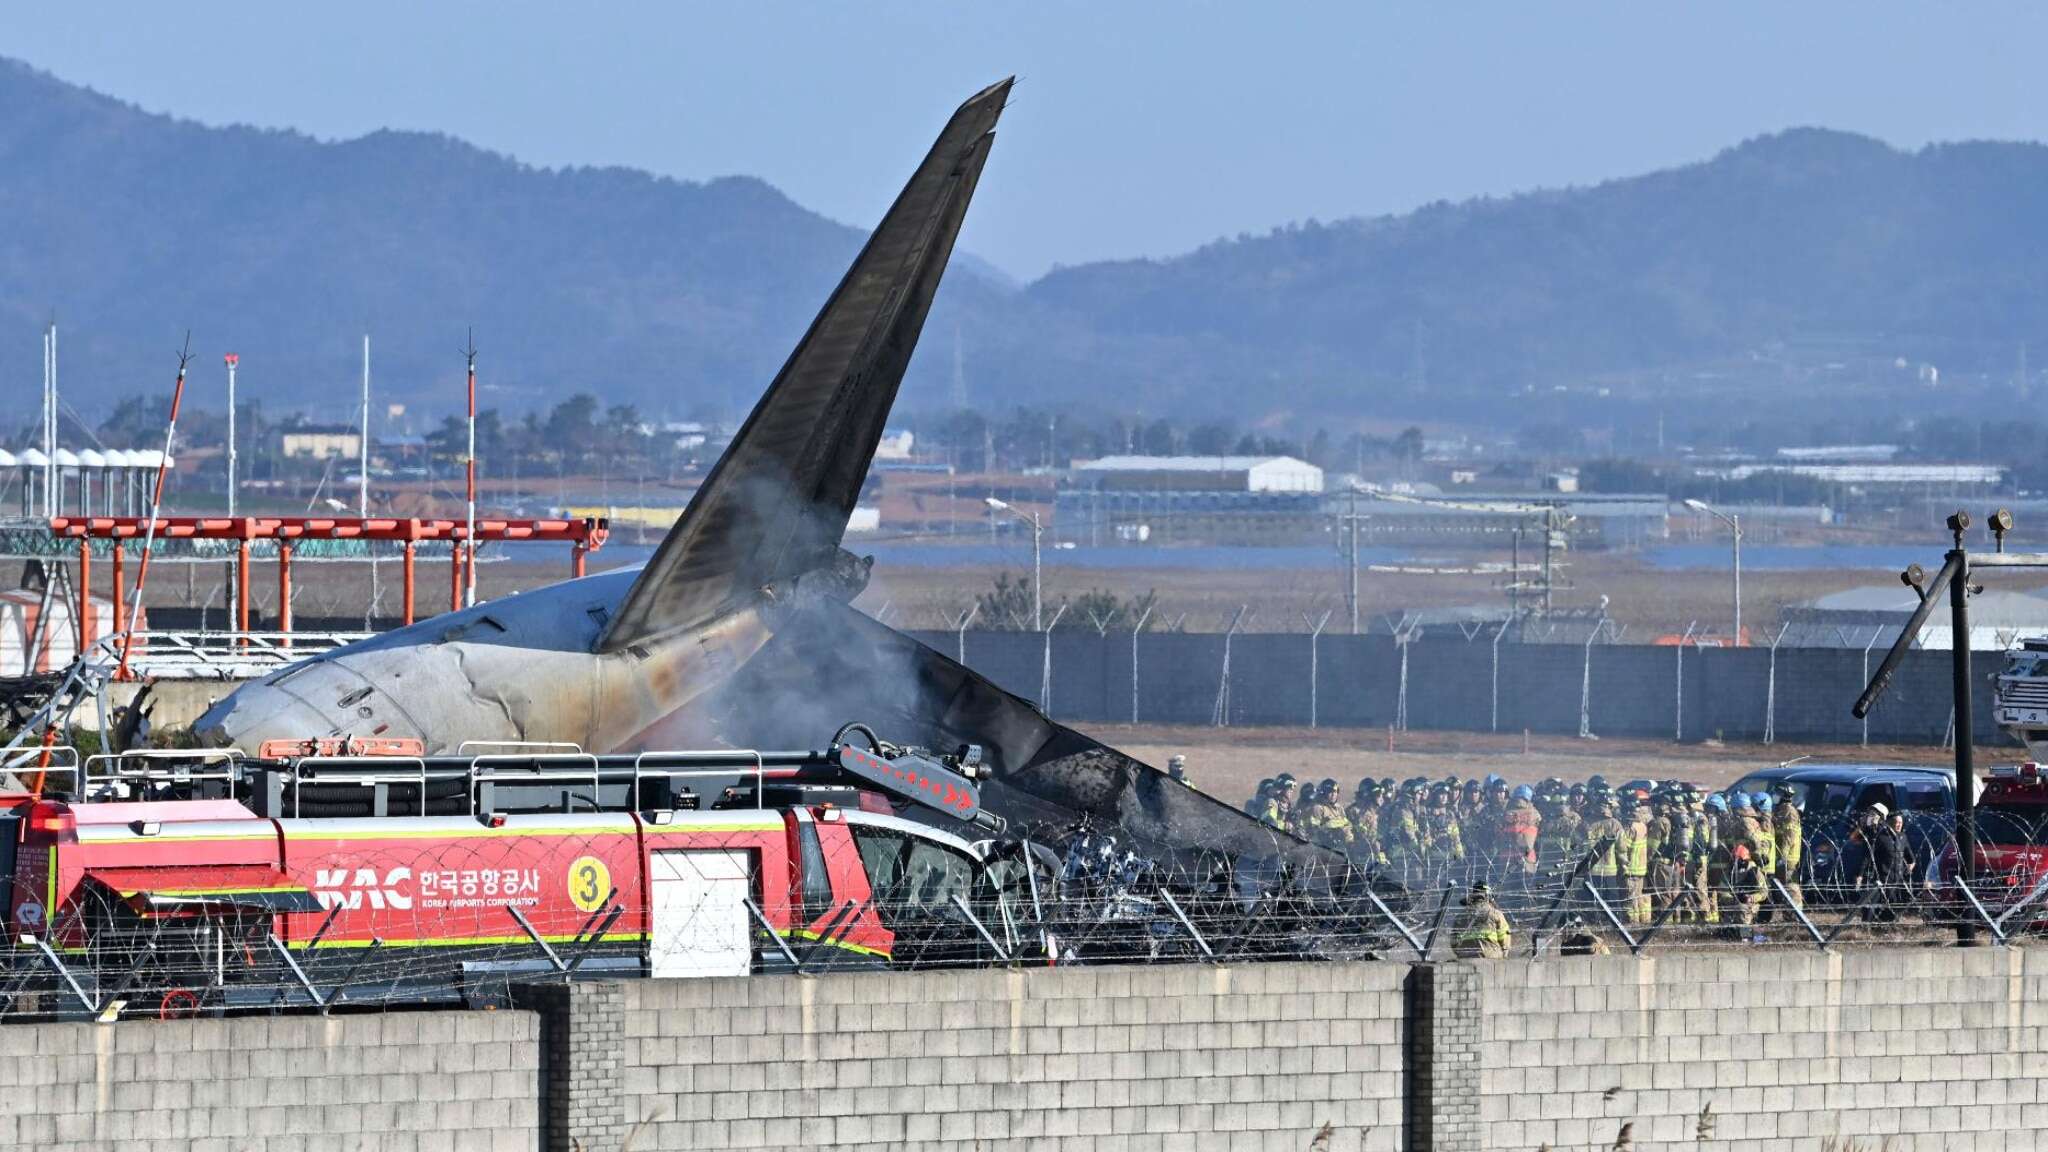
1644, 601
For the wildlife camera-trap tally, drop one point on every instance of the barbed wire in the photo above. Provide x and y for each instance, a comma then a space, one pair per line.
357, 925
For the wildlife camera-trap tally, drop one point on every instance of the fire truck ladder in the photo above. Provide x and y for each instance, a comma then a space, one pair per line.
86, 679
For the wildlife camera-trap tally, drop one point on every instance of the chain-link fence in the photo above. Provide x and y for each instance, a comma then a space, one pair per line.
1592, 678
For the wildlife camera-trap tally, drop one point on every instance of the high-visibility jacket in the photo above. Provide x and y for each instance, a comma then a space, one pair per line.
1404, 839
1482, 927
1763, 846
1634, 849
1658, 833
1787, 832
1446, 839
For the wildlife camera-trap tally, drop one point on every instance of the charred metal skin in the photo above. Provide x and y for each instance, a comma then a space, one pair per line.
519, 669
738, 630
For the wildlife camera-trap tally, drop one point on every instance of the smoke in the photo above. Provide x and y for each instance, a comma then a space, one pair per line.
829, 664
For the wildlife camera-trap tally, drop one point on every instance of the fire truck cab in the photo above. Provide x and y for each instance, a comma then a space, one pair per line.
2012, 837
531, 864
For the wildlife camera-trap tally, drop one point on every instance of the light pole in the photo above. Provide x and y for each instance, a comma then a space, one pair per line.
232, 360
1037, 559
1734, 527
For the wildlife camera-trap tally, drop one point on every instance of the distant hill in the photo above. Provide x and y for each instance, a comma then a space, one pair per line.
1801, 264
130, 226
1825, 253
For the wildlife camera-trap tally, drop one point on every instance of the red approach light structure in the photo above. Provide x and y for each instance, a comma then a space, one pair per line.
583, 536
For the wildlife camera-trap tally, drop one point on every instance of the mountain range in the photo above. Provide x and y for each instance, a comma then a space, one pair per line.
1808, 263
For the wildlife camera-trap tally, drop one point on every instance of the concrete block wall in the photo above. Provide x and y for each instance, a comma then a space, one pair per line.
397, 1082
1930, 1048
1260, 1057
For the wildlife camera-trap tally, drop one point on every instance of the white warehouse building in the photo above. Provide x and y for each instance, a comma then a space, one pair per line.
1199, 473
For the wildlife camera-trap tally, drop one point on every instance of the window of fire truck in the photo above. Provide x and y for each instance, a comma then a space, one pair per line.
911, 877
2012, 820
1002, 881
816, 887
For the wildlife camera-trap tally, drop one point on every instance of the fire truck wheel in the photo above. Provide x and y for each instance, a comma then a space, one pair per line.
178, 1004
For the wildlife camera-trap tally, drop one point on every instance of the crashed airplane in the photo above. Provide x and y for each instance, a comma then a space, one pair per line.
739, 631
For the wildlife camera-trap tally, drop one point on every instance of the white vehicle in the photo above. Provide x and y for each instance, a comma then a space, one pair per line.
2020, 699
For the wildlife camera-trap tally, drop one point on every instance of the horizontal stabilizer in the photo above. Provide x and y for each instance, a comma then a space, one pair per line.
776, 504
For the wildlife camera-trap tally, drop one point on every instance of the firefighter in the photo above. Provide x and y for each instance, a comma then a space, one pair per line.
1491, 837
1579, 939
1668, 837
1699, 858
1282, 808
1446, 843
1364, 816
1750, 869
1482, 931
1322, 822
1634, 851
1177, 767
1766, 851
1711, 839
1402, 836
1563, 836
1521, 827
1297, 813
1787, 830
1604, 834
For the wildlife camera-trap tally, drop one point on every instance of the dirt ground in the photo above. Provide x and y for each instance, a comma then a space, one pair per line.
1646, 602
1229, 762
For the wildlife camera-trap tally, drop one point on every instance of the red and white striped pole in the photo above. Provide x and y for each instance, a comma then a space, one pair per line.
469, 529
156, 502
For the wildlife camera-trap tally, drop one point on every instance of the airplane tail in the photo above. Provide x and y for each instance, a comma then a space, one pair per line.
776, 504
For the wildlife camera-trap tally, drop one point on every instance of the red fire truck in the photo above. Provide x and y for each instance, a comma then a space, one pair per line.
188, 882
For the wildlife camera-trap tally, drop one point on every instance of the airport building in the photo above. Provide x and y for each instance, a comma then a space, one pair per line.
1188, 499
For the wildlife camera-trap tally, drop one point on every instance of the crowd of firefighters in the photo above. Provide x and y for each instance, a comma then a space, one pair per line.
1653, 851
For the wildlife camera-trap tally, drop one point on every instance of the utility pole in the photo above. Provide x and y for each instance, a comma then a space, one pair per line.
469, 537
1515, 574
50, 429
1734, 523
1037, 558
1351, 553
1549, 548
363, 493
234, 477
363, 455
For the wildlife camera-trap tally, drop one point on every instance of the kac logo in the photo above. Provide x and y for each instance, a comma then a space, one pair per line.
346, 888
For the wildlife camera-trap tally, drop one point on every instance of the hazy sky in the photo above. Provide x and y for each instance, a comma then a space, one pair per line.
1136, 129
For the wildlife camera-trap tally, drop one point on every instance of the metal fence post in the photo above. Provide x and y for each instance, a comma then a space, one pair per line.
1315, 636
1493, 723
1586, 683
1220, 716
1045, 672
966, 618
1135, 633
1875, 632
1678, 708
1771, 690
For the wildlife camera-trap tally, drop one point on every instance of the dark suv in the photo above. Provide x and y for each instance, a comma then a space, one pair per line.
1830, 795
